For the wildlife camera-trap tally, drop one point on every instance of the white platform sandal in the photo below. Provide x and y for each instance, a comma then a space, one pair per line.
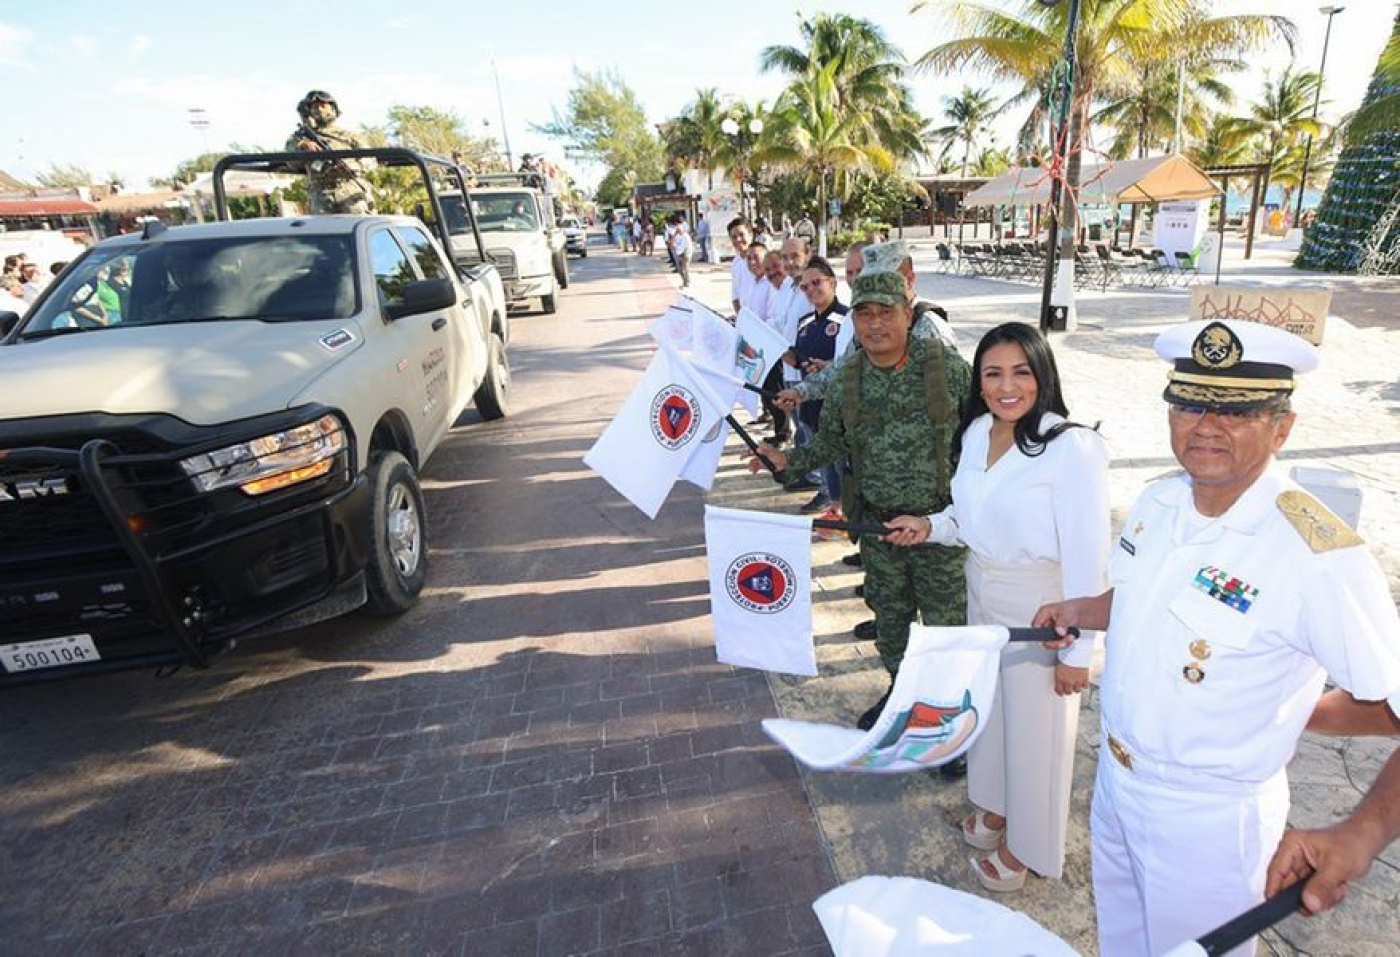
1006, 880
977, 834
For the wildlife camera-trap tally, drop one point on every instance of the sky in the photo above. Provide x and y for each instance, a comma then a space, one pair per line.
110, 87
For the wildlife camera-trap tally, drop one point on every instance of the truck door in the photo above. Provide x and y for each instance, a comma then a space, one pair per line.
420, 345
470, 324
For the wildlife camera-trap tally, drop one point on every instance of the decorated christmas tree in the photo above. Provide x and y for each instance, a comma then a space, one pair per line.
1358, 224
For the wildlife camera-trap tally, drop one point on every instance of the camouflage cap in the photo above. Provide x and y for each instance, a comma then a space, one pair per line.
883, 287
884, 257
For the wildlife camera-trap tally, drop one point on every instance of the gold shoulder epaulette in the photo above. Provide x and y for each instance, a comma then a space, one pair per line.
1315, 522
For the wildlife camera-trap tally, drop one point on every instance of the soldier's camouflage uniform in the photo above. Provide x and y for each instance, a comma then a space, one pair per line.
338, 186
901, 460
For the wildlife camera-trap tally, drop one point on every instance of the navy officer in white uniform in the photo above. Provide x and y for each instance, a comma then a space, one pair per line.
1234, 596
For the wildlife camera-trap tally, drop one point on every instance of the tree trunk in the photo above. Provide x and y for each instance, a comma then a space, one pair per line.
821, 213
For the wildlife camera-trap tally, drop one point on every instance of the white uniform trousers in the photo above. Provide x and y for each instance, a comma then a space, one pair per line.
1176, 854
1023, 764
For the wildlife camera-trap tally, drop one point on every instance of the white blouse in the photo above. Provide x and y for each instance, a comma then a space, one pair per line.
1052, 507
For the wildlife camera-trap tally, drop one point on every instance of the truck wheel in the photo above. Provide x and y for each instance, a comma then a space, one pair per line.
583, 254
492, 398
561, 270
398, 560
550, 303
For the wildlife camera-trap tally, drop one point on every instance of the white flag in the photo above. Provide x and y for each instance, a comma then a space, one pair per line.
761, 589
675, 327
714, 342
906, 917
658, 428
704, 461
758, 350
944, 689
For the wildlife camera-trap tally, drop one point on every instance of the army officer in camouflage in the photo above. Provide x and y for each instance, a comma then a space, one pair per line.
892, 411
332, 186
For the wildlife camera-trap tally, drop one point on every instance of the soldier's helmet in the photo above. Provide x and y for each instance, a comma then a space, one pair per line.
312, 99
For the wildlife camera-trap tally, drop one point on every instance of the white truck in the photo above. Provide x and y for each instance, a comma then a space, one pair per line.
518, 218
213, 430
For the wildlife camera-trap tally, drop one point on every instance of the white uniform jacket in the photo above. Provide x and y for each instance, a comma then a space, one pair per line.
1223, 631
1051, 507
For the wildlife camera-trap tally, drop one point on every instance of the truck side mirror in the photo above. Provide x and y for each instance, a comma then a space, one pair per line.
423, 295
8, 320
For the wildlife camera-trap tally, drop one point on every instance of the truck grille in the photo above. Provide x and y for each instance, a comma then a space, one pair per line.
505, 262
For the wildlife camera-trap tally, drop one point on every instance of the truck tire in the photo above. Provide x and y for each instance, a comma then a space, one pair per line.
550, 303
583, 253
398, 560
492, 397
561, 270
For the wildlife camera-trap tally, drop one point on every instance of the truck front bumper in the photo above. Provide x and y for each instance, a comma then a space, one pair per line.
529, 286
154, 579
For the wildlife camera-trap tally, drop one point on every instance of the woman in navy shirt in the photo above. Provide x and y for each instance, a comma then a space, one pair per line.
816, 347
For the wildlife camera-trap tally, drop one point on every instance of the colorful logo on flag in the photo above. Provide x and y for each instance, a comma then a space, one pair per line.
760, 582
929, 734
675, 417
748, 361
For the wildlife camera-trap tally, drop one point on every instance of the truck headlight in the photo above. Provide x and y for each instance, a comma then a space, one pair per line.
270, 462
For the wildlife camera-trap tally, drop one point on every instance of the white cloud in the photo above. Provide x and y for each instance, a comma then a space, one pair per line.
84, 46
139, 45
14, 42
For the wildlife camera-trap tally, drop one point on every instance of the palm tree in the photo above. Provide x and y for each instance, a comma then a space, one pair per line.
971, 113
1026, 49
1281, 120
811, 134
695, 138
1381, 109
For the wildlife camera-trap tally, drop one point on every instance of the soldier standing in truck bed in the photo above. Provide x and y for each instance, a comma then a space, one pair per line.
332, 186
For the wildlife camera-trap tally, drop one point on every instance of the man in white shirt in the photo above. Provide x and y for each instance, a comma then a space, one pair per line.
740, 275
1235, 596
758, 290
680, 250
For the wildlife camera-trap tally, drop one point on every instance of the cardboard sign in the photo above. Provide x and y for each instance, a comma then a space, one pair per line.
1301, 310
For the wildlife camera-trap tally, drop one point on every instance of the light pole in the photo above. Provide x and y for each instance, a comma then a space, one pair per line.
199, 119
1317, 100
501, 105
1050, 314
730, 127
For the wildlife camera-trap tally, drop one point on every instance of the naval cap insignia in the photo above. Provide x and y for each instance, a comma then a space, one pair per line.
1217, 347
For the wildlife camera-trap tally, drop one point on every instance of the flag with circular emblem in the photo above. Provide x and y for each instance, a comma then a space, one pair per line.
657, 430
761, 589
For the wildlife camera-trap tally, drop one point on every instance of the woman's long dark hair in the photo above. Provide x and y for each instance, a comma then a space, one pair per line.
1029, 439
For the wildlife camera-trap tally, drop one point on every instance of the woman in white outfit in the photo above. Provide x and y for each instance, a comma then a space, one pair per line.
1030, 500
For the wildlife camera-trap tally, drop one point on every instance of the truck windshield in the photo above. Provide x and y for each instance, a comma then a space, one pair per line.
273, 279
506, 212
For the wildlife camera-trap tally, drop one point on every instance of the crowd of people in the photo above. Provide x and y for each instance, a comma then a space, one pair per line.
1227, 600
22, 282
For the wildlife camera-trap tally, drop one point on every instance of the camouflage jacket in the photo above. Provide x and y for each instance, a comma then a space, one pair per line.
895, 427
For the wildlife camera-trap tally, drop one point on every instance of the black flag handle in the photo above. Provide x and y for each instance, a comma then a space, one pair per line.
1261, 917
766, 393
1038, 634
753, 446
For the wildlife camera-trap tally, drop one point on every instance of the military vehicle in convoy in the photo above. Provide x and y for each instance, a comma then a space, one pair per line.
214, 430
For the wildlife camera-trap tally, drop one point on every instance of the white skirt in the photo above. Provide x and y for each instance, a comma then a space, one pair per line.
1022, 765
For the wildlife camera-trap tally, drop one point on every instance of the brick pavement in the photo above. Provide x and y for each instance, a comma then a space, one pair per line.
542, 758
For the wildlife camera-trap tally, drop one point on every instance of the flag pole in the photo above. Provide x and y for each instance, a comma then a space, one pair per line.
748, 440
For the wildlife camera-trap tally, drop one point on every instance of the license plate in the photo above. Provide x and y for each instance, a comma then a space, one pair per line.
49, 653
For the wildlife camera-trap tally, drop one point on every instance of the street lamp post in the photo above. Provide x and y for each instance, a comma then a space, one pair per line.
1060, 138
731, 128
1331, 12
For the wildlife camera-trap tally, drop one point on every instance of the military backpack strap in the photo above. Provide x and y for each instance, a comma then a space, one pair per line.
939, 402
850, 383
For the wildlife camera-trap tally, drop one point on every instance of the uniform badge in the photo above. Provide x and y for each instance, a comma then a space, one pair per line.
1127, 546
1217, 347
1200, 648
1194, 673
1225, 588
832, 328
